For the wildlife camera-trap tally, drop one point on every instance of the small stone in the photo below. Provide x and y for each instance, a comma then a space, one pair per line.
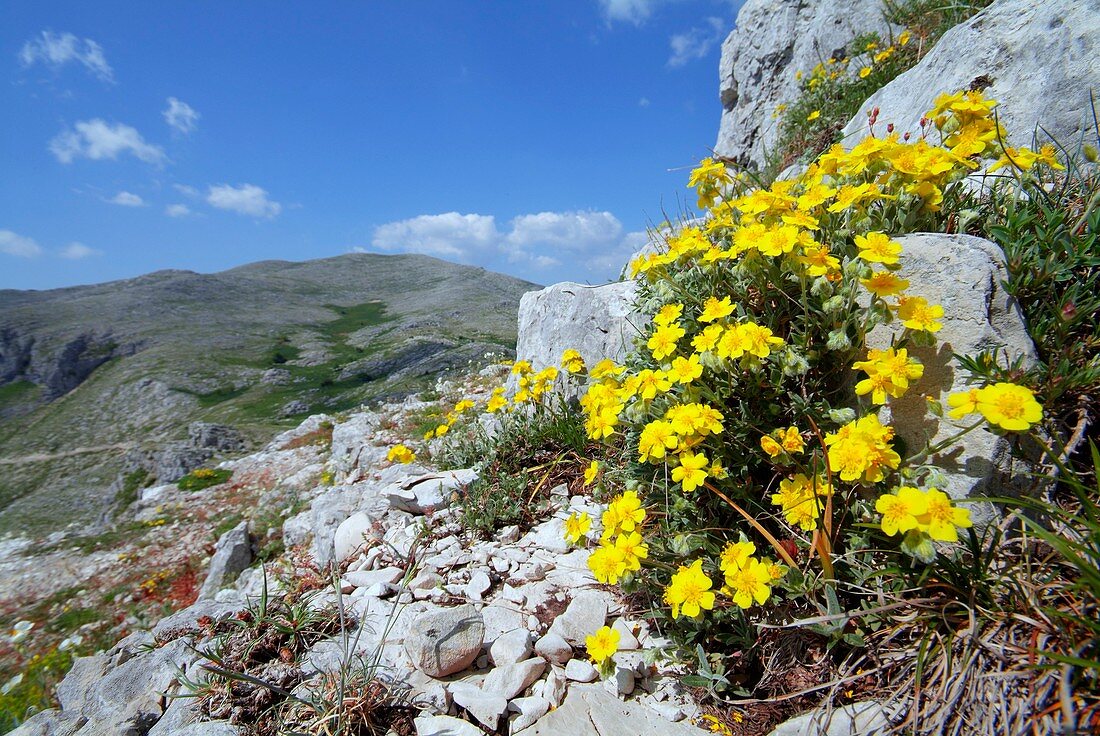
445, 641
669, 711
513, 594
511, 647
367, 578
528, 710
512, 679
553, 648
627, 640
478, 586
501, 565
622, 683
579, 670
353, 534
444, 726
585, 614
487, 708
483, 662
508, 535
554, 686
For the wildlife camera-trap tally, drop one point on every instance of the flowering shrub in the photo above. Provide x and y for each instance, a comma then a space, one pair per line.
761, 472
202, 478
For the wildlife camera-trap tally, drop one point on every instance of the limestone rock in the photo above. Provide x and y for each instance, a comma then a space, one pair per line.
1042, 58
444, 726
589, 710
528, 710
963, 274
580, 670
445, 641
487, 708
429, 492
554, 648
772, 40
186, 621
232, 555
51, 723
598, 321
512, 679
865, 719
351, 535
584, 614
511, 647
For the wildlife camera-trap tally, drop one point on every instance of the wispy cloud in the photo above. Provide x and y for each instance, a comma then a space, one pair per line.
14, 244
695, 43
534, 243
55, 50
177, 210
75, 251
244, 199
181, 116
629, 11
126, 199
97, 140
449, 235
644, 102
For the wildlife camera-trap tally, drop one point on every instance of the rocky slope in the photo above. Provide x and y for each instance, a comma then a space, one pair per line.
90, 373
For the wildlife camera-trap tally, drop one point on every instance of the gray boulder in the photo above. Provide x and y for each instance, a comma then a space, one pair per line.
772, 40
1042, 58
51, 722
963, 274
232, 555
584, 614
598, 321
217, 437
445, 726
445, 641
858, 719
590, 710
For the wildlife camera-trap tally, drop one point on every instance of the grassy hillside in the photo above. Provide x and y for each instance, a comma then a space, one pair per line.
131, 363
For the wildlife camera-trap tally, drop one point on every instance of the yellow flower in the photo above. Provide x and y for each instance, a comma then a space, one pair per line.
576, 526
708, 338
964, 403
657, 438
748, 583
888, 372
903, 39
792, 440
602, 645
668, 314
400, 454
442, 429
572, 361
941, 517
689, 592
634, 550
624, 513
714, 308
917, 314
463, 405
607, 564
735, 554
864, 72
690, 473
497, 401
878, 248
605, 368
591, 472
798, 499
685, 370
1009, 406
757, 340
813, 116
770, 446
860, 450
663, 341
900, 512
521, 368
883, 284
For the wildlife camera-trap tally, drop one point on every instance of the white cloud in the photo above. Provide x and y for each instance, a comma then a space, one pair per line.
13, 244
126, 199
631, 11
644, 102
695, 43
75, 251
177, 210
97, 140
55, 50
244, 199
181, 116
449, 235
186, 190
585, 244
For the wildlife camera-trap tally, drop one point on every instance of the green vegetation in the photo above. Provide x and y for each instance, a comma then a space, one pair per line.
132, 483
202, 478
32, 689
833, 91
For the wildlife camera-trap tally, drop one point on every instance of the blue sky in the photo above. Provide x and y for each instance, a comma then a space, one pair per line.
534, 138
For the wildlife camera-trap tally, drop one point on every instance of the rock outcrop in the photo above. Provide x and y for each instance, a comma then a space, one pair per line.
771, 41
1040, 61
598, 321
964, 275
